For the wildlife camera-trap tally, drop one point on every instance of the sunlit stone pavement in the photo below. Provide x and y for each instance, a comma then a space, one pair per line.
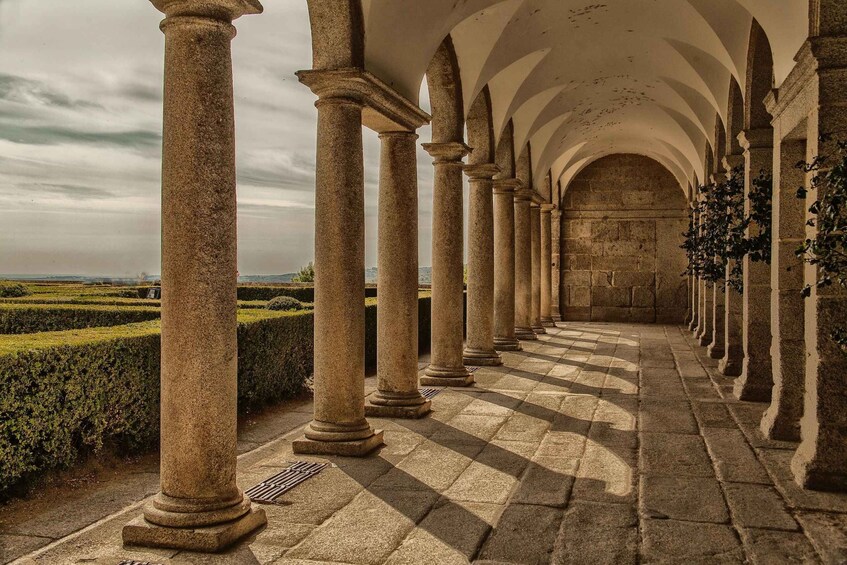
599, 443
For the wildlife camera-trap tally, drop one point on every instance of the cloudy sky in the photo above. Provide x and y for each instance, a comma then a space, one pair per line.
80, 136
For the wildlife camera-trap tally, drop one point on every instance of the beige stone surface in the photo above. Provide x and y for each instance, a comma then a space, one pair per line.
525, 474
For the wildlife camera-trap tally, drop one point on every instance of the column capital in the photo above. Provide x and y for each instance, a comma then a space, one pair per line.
523, 194
224, 10
537, 199
384, 109
450, 152
730, 162
547, 208
756, 139
482, 171
506, 186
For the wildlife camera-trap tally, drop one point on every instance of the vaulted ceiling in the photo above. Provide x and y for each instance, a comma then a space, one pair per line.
581, 79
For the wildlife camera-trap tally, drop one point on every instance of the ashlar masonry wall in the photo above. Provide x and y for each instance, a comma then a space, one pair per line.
622, 222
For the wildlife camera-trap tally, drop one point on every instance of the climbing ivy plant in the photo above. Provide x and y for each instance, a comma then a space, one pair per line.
828, 250
720, 235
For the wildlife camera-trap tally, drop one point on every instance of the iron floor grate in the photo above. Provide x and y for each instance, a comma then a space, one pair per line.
471, 369
133, 562
271, 488
428, 393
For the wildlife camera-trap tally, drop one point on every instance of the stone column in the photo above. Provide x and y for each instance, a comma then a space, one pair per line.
504, 265
716, 344
523, 265
446, 364
821, 458
397, 394
479, 349
733, 353
556, 279
695, 293
756, 378
339, 426
707, 304
199, 507
546, 266
535, 296
788, 348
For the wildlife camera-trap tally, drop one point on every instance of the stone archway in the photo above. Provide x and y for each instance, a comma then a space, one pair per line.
622, 220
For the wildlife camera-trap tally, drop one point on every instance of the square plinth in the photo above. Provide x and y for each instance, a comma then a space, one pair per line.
408, 412
211, 539
358, 448
426, 380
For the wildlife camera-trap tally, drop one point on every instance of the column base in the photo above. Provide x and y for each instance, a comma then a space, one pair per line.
557, 318
208, 539
439, 372
538, 330
693, 325
481, 357
705, 341
715, 350
730, 366
525, 334
374, 407
775, 427
808, 476
548, 322
350, 448
432, 380
507, 344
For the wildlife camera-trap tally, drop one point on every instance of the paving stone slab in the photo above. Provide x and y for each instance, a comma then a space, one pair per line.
758, 506
672, 541
682, 498
734, 460
606, 475
828, 534
778, 464
597, 534
713, 415
766, 547
677, 455
667, 416
524, 534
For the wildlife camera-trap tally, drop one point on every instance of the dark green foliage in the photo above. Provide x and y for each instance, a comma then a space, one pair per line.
717, 246
301, 293
828, 250
13, 290
306, 274
24, 319
284, 303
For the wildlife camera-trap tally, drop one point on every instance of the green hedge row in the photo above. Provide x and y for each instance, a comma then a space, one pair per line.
301, 293
66, 394
35, 318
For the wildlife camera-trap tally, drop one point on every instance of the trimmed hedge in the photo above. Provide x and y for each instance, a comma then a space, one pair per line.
66, 394
13, 290
301, 293
34, 318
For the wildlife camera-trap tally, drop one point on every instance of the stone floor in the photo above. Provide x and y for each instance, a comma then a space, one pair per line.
600, 443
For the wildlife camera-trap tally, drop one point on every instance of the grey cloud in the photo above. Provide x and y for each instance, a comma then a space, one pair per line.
55, 135
72, 191
299, 175
19, 89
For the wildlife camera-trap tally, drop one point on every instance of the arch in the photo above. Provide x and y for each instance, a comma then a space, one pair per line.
481, 130
445, 94
759, 81
734, 118
719, 147
505, 154
523, 167
338, 34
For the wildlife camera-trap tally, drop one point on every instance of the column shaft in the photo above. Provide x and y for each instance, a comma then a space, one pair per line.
535, 256
788, 350
717, 341
523, 266
756, 378
556, 279
504, 266
546, 266
339, 426
199, 276
397, 393
479, 349
447, 365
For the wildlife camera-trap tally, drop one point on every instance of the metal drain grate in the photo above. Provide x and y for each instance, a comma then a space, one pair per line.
428, 393
299, 471
471, 369
131, 562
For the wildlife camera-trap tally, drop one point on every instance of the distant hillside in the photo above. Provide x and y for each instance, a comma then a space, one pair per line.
424, 275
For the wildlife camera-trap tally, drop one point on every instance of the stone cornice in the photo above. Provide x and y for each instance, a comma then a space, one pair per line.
798, 79
623, 214
383, 108
450, 152
224, 10
523, 194
756, 139
547, 208
482, 171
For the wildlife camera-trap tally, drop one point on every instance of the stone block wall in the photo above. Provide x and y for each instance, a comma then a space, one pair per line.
622, 222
